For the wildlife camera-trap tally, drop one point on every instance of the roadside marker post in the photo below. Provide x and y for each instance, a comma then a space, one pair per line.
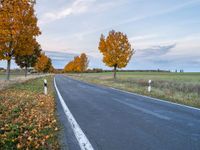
149, 87
45, 86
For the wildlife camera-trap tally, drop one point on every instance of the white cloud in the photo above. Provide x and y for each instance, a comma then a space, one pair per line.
185, 48
138, 18
142, 37
77, 7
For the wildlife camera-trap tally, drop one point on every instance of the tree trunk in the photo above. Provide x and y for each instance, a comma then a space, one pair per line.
115, 69
8, 69
26, 71
9, 61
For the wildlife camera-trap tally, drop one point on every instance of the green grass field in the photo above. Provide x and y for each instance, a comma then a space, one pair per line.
181, 88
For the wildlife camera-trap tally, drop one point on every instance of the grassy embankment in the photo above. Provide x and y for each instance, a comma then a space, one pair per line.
15, 76
12, 76
27, 116
183, 88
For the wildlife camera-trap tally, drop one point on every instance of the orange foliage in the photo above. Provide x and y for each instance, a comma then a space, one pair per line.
116, 49
79, 64
18, 28
44, 64
83, 62
69, 67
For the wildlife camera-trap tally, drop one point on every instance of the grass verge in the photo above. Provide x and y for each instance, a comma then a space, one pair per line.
182, 88
27, 116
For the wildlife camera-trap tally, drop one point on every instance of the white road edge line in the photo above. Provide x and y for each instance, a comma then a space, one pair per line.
165, 101
80, 136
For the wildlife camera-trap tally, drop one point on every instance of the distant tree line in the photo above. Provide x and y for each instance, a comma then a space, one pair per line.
181, 71
97, 70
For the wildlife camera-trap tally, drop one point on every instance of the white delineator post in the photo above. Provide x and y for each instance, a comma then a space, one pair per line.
45, 86
149, 87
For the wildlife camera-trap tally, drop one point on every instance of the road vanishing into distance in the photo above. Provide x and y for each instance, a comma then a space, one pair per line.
116, 120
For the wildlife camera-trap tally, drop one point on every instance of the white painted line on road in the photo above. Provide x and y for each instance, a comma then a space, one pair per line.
155, 99
80, 136
143, 110
132, 93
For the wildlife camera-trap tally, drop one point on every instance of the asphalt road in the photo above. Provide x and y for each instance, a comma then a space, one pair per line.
114, 120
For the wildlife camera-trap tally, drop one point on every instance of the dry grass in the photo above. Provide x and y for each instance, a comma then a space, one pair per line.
19, 79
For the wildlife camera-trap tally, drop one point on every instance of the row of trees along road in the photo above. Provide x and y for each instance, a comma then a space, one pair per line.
44, 64
27, 61
116, 50
18, 32
79, 64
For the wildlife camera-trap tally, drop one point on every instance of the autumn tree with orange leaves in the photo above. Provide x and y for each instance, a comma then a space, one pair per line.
79, 64
27, 61
116, 50
69, 67
83, 62
43, 64
18, 29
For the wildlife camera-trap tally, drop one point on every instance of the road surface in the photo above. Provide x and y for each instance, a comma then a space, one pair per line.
115, 120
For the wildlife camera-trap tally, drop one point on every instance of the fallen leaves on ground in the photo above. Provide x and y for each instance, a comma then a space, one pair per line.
27, 120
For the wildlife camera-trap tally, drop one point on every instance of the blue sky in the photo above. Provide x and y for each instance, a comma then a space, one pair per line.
164, 33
